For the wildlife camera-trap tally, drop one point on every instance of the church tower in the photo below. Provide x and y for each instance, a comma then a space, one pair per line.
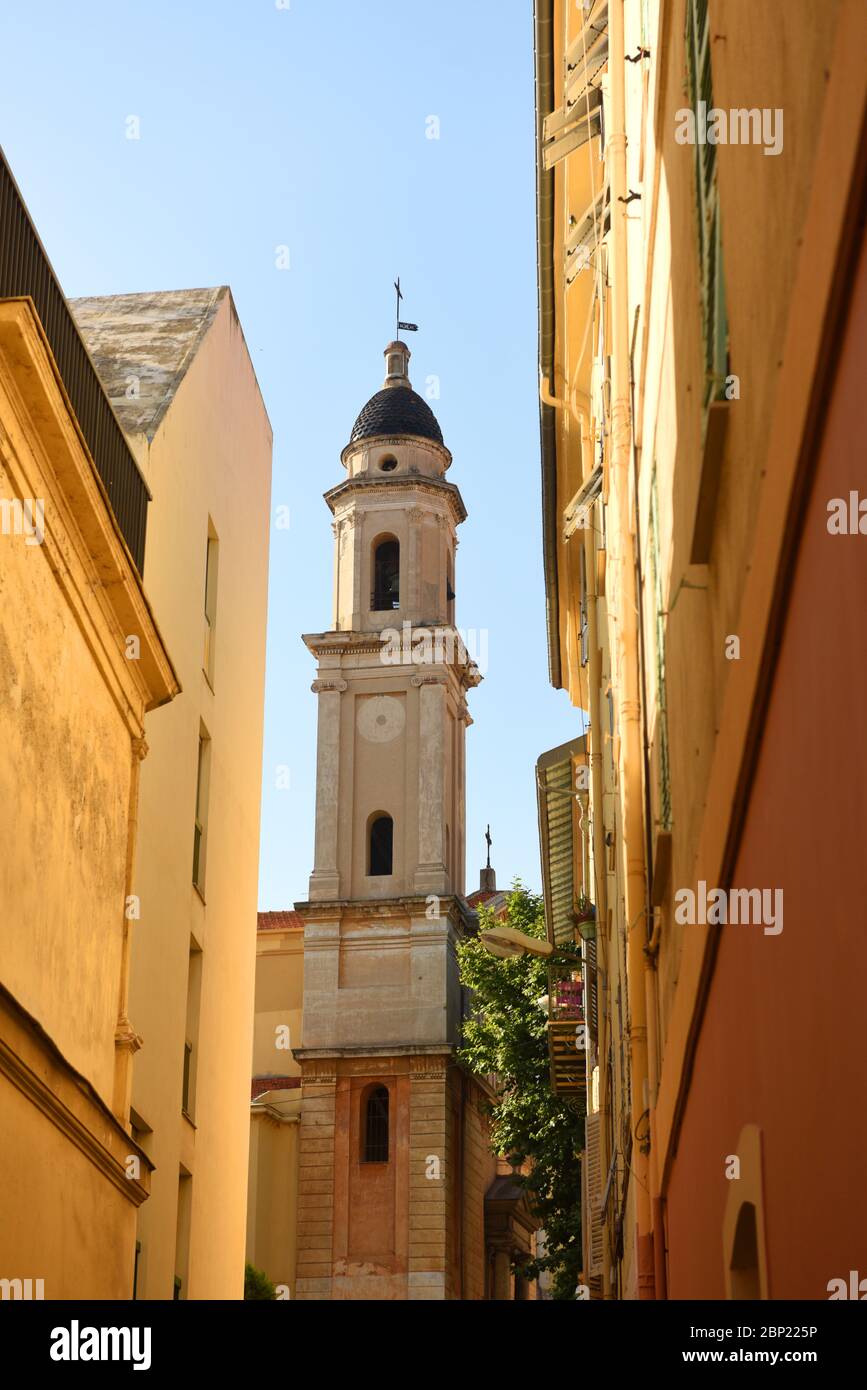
381, 1205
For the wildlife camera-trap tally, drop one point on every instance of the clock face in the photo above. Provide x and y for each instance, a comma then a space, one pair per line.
380, 718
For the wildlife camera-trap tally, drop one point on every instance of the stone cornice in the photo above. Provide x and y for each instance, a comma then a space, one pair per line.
385, 441
424, 1053
351, 643
404, 482
414, 905
45, 455
33, 1063
341, 644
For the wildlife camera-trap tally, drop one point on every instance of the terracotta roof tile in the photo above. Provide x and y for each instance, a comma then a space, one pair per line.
280, 921
261, 1084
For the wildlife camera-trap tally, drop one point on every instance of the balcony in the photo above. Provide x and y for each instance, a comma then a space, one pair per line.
25, 271
567, 1046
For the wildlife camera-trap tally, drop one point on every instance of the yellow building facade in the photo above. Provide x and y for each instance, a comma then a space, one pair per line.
275, 1103
81, 664
699, 188
179, 375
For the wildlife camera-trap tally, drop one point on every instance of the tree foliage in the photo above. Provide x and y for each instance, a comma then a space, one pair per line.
257, 1285
507, 1034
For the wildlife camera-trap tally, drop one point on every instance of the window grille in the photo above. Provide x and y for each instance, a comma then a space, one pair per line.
376, 1126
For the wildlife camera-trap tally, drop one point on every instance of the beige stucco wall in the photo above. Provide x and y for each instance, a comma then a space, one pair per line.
279, 1000
210, 458
272, 1197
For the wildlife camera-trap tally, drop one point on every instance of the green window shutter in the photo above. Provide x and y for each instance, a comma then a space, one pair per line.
661, 696
714, 317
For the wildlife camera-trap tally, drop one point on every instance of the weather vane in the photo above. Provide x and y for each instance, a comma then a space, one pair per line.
407, 327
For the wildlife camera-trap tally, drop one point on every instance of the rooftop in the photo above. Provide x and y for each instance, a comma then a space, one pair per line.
142, 346
280, 921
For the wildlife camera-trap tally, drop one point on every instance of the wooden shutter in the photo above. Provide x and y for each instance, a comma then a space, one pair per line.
570, 127
660, 742
714, 318
592, 1215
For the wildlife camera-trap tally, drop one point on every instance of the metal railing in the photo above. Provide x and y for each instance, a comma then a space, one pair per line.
26, 270
565, 993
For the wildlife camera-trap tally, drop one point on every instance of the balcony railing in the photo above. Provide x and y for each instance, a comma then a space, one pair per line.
26, 271
567, 1031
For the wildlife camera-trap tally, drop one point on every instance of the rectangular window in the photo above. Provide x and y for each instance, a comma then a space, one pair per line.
714, 317
182, 1235
191, 1044
584, 619
211, 562
661, 740
188, 1066
200, 834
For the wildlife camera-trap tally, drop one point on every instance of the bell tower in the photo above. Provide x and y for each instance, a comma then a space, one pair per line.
382, 998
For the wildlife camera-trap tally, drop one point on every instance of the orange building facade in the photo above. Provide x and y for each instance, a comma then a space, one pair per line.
702, 341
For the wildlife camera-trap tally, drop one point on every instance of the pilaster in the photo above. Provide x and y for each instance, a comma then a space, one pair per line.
325, 879
316, 1160
431, 1178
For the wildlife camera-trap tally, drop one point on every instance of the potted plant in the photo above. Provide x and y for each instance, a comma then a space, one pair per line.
584, 918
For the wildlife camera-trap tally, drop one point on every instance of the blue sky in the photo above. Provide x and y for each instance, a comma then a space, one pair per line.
306, 127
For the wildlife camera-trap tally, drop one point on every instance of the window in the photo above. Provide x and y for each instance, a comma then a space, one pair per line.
375, 1114
380, 847
386, 575
200, 833
584, 619
135, 1270
743, 1230
185, 1095
194, 994
744, 1280
388, 464
210, 602
714, 318
661, 739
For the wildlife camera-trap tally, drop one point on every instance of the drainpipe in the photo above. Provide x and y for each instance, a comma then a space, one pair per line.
126, 1040
597, 787
627, 681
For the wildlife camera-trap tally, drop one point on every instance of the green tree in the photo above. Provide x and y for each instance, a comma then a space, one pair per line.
257, 1285
507, 1034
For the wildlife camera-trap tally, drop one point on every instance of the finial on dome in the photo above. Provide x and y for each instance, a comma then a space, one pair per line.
397, 356
488, 877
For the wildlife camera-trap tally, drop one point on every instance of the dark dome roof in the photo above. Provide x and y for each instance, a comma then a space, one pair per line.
396, 410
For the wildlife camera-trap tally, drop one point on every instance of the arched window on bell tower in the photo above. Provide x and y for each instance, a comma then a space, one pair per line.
374, 1122
386, 574
380, 846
